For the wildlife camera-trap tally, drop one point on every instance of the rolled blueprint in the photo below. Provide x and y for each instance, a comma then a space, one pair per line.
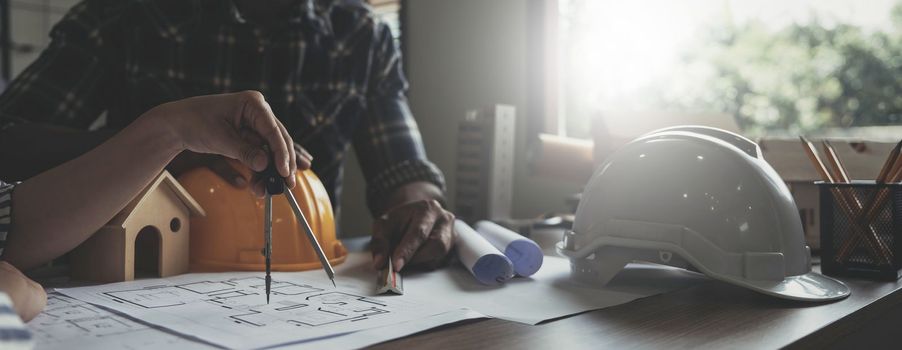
483, 260
523, 252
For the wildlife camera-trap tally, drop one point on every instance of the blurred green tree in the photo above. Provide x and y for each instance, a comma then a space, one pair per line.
799, 78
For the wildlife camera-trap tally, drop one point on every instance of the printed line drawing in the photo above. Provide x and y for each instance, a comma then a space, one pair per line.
239, 301
68, 323
65, 316
151, 297
230, 309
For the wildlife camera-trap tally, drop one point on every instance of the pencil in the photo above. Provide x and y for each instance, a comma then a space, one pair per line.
874, 243
889, 164
889, 172
839, 171
816, 160
897, 170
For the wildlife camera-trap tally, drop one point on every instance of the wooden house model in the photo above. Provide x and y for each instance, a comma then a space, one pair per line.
148, 238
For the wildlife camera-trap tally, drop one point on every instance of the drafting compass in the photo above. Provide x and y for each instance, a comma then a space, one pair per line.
274, 185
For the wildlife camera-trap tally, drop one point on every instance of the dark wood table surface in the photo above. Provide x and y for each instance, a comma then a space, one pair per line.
709, 315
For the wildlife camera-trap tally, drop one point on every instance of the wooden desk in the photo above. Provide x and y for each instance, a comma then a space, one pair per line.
710, 315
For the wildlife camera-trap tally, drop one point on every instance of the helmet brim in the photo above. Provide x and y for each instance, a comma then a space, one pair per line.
811, 286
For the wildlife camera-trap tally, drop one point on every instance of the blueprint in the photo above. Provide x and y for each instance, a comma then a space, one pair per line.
230, 310
67, 323
549, 294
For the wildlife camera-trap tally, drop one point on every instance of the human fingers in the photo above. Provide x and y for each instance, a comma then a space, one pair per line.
257, 178
259, 188
305, 160
422, 219
237, 145
434, 251
35, 301
292, 156
27, 296
257, 115
224, 170
380, 244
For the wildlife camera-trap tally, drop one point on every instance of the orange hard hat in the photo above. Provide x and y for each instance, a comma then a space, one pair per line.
230, 237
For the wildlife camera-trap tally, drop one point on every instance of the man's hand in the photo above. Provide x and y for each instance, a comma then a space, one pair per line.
28, 297
418, 234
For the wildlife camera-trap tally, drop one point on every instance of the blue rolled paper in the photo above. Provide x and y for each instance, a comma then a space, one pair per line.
483, 260
524, 253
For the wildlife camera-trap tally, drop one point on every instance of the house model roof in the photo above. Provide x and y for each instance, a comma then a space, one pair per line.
164, 179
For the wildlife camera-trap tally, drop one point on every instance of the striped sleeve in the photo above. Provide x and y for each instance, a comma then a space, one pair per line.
6, 206
13, 334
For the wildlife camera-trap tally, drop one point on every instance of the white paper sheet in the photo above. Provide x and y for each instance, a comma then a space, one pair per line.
548, 294
229, 309
378, 335
67, 323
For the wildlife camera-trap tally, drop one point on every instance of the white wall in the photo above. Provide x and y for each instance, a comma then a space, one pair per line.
30, 23
466, 54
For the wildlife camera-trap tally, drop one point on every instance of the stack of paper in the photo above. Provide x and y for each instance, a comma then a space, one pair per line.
230, 310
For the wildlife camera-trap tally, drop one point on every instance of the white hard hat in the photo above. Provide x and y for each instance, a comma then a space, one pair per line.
695, 197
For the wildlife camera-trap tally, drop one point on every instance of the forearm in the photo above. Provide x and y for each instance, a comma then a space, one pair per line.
35, 148
58, 209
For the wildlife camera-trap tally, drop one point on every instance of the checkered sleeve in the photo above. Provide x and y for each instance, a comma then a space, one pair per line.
13, 333
6, 205
388, 144
62, 86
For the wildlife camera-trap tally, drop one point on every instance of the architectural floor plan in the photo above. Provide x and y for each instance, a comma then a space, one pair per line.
67, 323
231, 310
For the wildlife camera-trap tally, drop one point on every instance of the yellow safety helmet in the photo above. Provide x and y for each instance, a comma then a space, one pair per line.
230, 236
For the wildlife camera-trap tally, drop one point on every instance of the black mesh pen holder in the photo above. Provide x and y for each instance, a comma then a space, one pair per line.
861, 229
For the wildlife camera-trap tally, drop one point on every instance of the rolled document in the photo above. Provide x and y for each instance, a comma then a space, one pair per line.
484, 261
524, 253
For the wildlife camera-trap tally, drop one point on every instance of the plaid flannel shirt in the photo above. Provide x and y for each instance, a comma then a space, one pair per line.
331, 73
6, 199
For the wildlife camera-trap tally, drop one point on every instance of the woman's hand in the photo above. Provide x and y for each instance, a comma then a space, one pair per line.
235, 125
59, 209
28, 297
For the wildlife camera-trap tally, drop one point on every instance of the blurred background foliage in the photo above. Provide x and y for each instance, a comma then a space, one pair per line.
798, 78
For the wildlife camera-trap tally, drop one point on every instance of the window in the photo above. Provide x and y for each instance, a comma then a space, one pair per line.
389, 11
30, 23
774, 66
